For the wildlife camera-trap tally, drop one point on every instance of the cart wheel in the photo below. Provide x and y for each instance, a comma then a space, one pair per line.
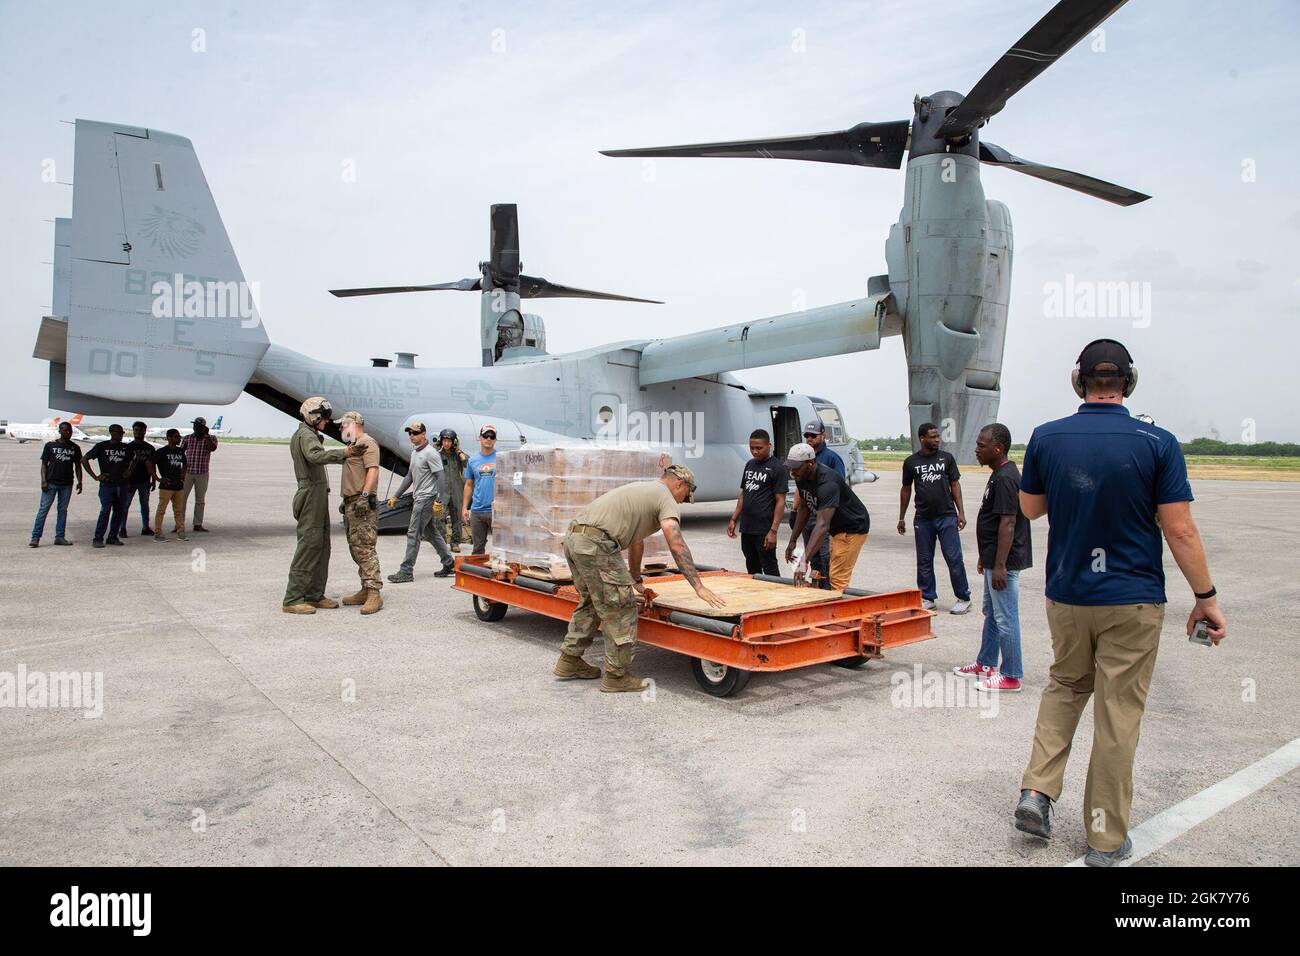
718, 679
489, 611
852, 663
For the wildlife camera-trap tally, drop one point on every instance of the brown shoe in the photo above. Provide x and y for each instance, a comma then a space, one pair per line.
325, 603
620, 685
568, 667
358, 598
298, 609
373, 602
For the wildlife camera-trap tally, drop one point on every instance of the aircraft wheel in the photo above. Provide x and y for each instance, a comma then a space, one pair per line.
489, 611
718, 680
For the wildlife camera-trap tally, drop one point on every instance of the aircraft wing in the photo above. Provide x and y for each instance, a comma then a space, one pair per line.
815, 333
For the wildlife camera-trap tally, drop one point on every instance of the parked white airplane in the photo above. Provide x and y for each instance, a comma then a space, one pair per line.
42, 431
160, 433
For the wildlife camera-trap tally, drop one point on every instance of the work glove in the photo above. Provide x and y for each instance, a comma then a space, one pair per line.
373, 500
438, 509
392, 501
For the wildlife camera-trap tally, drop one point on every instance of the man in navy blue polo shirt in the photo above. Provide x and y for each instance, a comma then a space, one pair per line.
1109, 485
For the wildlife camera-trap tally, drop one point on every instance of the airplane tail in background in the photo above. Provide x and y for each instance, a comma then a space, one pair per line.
75, 420
151, 306
216, 426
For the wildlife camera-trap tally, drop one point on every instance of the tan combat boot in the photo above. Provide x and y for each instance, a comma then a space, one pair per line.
325, 603
358, 598
298, 609
620, 685
568, 667
373, 601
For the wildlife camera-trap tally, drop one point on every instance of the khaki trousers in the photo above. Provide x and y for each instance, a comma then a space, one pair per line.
845, 549
1108, 653
176, 498
198, 485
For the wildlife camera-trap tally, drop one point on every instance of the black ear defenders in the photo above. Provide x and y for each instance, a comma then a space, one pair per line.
1077, 377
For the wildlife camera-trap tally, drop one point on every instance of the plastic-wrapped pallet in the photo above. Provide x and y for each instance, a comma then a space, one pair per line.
541, 488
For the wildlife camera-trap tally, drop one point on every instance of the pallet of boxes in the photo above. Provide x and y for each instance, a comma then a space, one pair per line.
541, 488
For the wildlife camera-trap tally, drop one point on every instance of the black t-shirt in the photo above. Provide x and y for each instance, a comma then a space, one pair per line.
933, 476
170, 464
141, 452
60, 462
1002, 497
826, 489
761, 482
114, 458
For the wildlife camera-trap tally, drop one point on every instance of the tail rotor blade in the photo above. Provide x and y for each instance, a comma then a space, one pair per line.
1121, 195
461, 285
1047, 40
505, 243
878, 145
535, 287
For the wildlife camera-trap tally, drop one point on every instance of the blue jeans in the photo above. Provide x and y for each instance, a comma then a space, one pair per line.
132, 492
1002, 626
113, 502
944, 529
61, 492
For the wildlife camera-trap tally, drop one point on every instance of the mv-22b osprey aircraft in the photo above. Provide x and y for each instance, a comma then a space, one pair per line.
144, 222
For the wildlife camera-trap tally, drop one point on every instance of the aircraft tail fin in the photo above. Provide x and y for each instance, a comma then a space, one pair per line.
158, 309
216, 426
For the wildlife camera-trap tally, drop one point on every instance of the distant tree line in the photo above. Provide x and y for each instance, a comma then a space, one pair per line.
1197, 446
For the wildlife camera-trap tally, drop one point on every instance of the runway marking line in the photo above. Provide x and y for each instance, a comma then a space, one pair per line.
1169, 825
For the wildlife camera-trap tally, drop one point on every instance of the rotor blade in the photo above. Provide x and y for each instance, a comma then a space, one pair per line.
1050, 38
505, 243
868, 144
997, 156
535, 287
461, 285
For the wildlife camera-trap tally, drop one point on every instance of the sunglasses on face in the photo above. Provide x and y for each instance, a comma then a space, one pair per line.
811, 435
490, 436
414, 431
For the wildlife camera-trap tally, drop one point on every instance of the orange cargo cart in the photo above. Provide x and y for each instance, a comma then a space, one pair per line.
725, 651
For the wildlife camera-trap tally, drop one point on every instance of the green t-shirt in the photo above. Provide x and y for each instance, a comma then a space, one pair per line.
631, 513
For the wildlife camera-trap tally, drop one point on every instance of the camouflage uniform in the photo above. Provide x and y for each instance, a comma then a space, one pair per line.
362, 524
607, 599
311, 558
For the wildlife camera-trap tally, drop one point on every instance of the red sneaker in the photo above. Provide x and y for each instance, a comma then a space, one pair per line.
1000, 683
978, 671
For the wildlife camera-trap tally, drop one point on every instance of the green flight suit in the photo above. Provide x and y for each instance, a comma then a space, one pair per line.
311, 559
453, 467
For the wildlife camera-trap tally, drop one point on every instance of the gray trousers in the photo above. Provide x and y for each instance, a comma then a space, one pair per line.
423, 526
480, 526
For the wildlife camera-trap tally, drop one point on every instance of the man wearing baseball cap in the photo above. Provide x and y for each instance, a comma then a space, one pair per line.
617, 521
480, 488
426, 474
360, 509
814, 436
1110, 484
198, 446
827, 503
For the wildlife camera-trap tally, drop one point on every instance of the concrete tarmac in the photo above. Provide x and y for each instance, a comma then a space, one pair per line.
233, 734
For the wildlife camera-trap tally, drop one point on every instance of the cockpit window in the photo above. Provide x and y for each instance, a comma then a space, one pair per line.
830, 416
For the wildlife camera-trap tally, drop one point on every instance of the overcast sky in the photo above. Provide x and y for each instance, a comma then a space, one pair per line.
442, 109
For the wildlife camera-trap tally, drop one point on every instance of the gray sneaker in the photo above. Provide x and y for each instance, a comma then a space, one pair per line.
928, 604
961, 607
1109, 858
401, 577
1034, 814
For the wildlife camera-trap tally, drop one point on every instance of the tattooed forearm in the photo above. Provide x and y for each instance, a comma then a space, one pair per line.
681, 554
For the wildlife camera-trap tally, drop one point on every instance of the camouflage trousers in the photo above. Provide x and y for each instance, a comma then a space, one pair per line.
607, 601
362, 525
